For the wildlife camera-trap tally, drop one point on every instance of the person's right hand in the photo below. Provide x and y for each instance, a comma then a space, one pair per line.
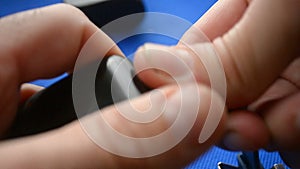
258, 44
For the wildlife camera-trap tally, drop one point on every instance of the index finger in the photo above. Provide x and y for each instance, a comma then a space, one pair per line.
219, 19
45, 42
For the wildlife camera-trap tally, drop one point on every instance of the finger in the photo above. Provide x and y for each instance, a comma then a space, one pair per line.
46, 42
282, 118
247, 136
247, 50
292, 74
27, 90
41, 43
281, 88
245, 131
215, 22
58, 149
253, 53
220, 18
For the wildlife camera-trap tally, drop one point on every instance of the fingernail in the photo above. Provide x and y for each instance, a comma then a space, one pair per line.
177, 63
233, 141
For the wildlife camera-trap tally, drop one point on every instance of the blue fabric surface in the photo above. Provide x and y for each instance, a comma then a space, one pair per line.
189, 10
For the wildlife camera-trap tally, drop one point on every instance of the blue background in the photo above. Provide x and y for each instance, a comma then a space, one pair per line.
190, 10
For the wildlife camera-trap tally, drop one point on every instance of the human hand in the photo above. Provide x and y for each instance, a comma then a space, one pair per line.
258, 44
44, 43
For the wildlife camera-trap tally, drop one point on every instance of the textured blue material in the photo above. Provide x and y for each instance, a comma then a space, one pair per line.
12, 6
189, 10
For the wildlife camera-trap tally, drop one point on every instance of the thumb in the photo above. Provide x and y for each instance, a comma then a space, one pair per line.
118, 142
254, 52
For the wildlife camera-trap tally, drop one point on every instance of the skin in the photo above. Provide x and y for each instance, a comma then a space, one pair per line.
258, 45
228, 24
44, 43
